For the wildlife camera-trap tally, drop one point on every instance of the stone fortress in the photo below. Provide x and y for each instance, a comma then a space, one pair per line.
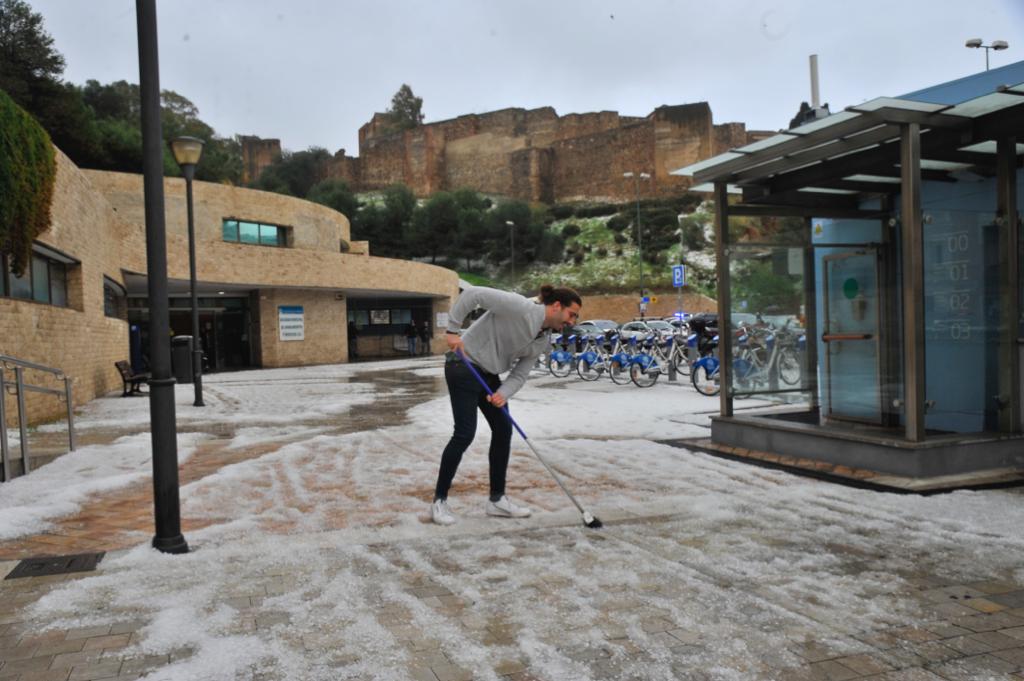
533, 155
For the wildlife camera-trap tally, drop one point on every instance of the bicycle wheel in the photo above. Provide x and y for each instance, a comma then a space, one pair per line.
705, 382
682, 365
590, 371
619, 372
645, 377
790, 370
561, 366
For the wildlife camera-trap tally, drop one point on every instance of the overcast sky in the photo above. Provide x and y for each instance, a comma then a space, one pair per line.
311, 72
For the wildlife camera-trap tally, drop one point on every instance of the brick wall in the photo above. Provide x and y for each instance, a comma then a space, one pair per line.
623, 308
324, 318
79, 339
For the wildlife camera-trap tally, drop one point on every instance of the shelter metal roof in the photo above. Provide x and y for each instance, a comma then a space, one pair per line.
828, 166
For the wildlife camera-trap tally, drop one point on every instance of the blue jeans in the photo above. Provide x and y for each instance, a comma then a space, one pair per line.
412, 345
467, 396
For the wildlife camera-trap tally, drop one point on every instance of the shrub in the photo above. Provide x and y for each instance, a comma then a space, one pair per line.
561, 211
597, 211
602, 252
27, 173
618, 252
577, 258
571, 229
620, 238
618, 223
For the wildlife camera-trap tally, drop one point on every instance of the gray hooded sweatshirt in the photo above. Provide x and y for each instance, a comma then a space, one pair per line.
509, 336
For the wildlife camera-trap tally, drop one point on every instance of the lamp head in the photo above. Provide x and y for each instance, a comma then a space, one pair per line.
973, 42
187, 150
1000, 44
627, 174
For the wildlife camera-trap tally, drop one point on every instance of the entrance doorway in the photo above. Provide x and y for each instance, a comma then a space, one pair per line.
851, 334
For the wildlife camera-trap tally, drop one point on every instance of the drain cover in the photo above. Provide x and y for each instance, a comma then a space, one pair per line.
55, 565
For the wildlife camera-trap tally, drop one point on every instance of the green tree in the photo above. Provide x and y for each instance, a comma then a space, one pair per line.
295, 173
406, 110
434, 226
27, 55
335, 194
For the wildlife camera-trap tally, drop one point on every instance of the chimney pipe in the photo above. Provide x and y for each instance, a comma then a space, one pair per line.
815, 99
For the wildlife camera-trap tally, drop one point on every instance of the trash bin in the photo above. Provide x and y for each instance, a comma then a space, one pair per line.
181, 358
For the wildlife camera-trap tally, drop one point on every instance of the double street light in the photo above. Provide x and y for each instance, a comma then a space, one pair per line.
639, 232
996, 45
187, 152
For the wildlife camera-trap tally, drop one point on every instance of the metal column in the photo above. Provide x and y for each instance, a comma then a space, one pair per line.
5, 455
19, 383
724, 297
1009, 228
913, 282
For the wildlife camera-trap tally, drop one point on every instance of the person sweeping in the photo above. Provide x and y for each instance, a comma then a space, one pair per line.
510, 336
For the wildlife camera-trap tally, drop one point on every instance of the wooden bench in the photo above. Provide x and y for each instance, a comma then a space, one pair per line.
132, 380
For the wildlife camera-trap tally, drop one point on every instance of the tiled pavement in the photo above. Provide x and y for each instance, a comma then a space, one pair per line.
966, 630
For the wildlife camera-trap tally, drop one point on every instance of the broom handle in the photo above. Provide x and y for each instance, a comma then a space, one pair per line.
481, 381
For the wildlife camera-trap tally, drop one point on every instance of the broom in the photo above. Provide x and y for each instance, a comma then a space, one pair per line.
588, 519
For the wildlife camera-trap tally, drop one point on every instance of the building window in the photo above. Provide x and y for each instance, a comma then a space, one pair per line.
45, 279
114, 299
258, 233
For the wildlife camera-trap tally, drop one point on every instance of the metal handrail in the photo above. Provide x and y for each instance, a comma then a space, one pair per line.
18, 389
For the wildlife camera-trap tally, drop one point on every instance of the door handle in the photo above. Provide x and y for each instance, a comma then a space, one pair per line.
829, 337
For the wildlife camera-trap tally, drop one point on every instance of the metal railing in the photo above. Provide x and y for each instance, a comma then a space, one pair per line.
18, 388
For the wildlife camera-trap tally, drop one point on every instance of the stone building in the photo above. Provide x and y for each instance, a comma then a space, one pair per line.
534, 155
82, 306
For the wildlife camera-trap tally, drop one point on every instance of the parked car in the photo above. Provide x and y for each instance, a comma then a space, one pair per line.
597, 326
634, 329
663, 328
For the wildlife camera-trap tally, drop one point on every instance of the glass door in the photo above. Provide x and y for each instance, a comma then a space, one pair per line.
850, 333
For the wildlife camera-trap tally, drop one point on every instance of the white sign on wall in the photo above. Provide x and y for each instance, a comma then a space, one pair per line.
442, 320
291, 323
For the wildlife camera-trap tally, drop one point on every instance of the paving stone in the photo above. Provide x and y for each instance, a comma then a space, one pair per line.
128, 627
999, 620
68, 660
830, 670
984, 605
911, 674
32, 664
48, 675
1015, 632
92, 672
947, 630
1012, 655
450, 672
1012, 599
17, 653
991, 587
88, 632
865, 664
973, 668
105, 642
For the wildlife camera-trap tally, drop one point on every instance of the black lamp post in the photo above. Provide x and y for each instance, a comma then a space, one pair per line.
166, 504
639, 232
187, 152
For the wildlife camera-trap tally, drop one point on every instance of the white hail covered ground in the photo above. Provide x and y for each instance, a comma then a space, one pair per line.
331, 522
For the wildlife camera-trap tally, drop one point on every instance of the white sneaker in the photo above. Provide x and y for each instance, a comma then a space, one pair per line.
440, 513
506, 509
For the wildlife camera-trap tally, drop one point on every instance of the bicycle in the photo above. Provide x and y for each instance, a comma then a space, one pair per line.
562, 360
647, 366
593, 360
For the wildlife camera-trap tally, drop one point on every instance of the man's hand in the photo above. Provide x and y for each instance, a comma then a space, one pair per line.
498, 400
454, 342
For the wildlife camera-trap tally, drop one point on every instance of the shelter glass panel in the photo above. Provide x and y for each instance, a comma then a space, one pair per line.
767, 320
964, 289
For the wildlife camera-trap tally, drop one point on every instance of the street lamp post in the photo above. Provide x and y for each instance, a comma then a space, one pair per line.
187, 152
996, 45
639, 231
166, 500
512, 246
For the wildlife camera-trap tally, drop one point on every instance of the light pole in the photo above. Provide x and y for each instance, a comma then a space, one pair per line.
639, 232
682, 248
996, 45
512, 246
166, 498
187, 152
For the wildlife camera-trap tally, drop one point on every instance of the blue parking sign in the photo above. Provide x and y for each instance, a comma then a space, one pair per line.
679, 275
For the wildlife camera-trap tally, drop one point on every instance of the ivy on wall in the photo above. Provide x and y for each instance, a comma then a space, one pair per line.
27, 173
